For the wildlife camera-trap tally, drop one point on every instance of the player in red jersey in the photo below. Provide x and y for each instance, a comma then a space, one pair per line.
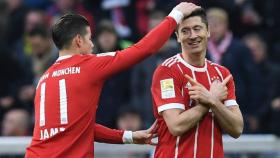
194, 99
67, 94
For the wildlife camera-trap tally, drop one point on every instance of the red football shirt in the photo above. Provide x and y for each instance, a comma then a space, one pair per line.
170, 91
67, 96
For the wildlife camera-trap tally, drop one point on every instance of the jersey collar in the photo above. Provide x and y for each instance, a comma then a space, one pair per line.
63, 57
193, 68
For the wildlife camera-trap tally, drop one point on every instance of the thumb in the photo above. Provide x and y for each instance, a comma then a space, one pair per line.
225, 81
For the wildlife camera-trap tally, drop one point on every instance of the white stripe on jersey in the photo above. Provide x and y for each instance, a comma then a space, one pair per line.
219, 72
212, 136
195, 141
173, 62
212, 122
177, 147
42, 105
179, 67
169, 60
171, 106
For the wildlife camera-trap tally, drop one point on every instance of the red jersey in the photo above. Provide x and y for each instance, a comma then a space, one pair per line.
67, 96
170, 91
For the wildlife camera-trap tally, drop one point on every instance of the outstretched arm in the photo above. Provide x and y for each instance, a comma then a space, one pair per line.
104, 134
148, 45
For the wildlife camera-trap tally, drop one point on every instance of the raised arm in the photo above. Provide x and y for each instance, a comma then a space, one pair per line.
148, 45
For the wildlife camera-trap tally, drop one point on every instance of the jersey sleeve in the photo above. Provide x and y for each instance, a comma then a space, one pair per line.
231, 98
113, 62
167, 90
103, 134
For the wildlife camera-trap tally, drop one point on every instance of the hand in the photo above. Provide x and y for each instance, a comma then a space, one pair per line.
145, 136
198, 92
186, 8
219, 89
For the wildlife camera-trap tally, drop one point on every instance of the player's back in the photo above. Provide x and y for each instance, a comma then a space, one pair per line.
65, 106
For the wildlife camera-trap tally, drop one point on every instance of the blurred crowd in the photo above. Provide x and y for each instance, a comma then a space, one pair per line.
245, 37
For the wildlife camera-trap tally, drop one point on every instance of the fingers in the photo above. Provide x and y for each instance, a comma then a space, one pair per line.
225, 81
192, 81
154, 135
153, 143
153, 128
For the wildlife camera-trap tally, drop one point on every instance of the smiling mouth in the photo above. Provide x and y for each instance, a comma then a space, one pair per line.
194, 44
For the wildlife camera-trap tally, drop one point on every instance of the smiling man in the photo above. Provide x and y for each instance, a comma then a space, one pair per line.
194, 99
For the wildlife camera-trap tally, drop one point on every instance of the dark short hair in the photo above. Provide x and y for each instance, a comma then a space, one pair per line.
67, 27
198, 12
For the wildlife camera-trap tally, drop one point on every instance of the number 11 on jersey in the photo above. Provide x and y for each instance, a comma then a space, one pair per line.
62, 103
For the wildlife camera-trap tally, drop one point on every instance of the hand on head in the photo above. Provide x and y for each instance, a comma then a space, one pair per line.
186, 8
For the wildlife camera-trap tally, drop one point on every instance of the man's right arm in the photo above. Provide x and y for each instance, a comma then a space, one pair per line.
180, 122
150, 44
169, 99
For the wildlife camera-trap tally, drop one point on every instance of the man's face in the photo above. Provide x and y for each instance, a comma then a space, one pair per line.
86, 44
192, 34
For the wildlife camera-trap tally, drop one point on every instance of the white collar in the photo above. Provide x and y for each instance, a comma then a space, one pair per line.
63, 57
193, 68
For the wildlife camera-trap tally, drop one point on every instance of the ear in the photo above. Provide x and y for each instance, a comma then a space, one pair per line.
177, 35
78, 40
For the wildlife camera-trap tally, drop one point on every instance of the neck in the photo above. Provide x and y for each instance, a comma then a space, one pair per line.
64, 52
197, 59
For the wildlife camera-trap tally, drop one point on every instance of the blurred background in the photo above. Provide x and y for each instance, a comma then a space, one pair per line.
245, 37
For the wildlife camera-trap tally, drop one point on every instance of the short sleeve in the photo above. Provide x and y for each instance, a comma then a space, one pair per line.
167, 90
231, 98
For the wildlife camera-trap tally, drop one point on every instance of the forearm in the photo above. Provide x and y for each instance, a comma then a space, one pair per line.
147, 46
231, 121
187, 120
103, 134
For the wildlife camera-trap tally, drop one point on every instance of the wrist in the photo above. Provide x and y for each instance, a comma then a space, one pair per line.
213, 102
127, 137
176, 15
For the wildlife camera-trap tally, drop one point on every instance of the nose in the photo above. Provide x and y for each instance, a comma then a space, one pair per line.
193, 34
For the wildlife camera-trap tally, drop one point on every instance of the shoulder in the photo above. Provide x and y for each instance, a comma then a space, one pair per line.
169, 62
168, 68
219, 68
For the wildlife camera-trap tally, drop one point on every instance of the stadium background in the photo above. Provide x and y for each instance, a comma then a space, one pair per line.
26, 51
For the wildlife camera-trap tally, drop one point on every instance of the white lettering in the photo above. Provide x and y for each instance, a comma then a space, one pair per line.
46, 134
54, 131
66, 71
